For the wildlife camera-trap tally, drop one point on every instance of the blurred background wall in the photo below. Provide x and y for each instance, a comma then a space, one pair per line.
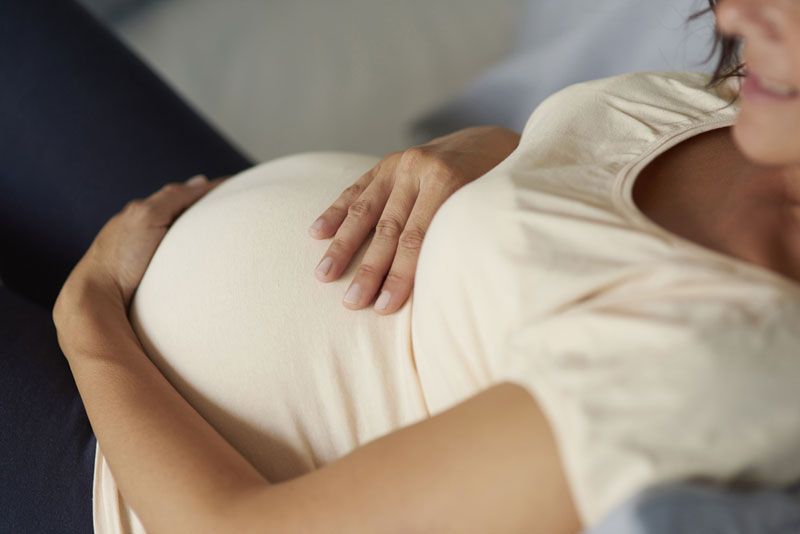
372, 76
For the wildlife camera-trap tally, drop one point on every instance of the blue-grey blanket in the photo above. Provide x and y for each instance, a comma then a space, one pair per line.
687, 509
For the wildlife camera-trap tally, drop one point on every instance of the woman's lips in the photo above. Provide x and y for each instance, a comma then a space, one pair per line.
760, 89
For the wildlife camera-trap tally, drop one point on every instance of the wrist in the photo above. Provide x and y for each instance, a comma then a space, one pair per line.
86, 300
500, 140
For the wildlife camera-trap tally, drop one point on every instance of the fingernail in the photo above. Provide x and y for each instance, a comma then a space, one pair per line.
196, 180
383, 300
317, 226
325, 266
353, 294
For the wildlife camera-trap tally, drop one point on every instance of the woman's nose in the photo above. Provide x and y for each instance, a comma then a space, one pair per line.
748, 19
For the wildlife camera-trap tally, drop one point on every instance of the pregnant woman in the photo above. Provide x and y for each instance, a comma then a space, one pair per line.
611, 306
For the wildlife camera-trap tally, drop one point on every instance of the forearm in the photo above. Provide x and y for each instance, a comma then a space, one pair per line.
175, 470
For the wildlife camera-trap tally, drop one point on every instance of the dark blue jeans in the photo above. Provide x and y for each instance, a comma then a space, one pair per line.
85, 126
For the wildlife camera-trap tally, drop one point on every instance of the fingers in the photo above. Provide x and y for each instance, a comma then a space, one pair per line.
172, 199
331, 219
377, 261
400, 279
361, 217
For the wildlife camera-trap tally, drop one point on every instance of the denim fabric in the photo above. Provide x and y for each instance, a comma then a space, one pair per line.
46, 443
85, 127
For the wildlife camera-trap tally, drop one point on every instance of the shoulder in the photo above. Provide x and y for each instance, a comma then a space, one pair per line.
630, 108
665, 96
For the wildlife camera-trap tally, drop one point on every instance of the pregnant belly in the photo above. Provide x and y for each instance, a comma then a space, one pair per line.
231, 313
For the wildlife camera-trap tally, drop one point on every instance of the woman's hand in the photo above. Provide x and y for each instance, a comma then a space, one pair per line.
119, 255
398, 198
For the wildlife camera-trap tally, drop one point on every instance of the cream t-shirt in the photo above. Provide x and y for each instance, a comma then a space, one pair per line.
654, 358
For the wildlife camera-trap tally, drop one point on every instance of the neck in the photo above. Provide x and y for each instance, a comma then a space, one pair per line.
786, 231
790, 179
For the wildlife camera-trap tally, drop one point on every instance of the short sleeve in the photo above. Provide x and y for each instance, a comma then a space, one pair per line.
593, 123
651, 390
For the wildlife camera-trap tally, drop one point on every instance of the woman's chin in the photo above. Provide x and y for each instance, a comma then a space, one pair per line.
758, 144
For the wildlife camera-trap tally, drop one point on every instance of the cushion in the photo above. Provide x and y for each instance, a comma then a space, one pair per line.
562, 42
695, 509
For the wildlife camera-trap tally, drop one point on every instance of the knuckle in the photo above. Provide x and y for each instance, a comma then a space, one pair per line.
142, 210
391, 159
133, 205
367, 270
412, 239
171, 187
418, 152
353, 191
339, 247
336, 209
388, 228
359, 209
431, 166
395, 278
414, 156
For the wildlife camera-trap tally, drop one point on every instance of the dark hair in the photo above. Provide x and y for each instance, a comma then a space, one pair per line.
729, 63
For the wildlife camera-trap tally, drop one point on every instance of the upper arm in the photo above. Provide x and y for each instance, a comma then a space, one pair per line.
489, 464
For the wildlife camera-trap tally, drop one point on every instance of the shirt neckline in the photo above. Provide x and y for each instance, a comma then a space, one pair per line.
623, 198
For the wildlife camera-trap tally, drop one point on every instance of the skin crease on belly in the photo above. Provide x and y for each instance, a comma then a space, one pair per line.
704, 190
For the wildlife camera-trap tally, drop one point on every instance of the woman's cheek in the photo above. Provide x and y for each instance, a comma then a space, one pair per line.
769, 136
